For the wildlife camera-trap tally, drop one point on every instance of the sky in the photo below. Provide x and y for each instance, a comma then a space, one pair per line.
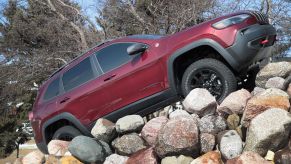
88, 7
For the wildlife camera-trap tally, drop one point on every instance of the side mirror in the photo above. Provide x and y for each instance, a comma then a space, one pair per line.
136, 48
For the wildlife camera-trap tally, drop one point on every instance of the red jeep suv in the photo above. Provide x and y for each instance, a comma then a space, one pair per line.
142, 73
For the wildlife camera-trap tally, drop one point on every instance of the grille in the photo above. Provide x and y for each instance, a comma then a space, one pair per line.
261, 18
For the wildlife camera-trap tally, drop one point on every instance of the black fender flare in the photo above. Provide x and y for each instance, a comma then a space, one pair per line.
63, 116
203, 42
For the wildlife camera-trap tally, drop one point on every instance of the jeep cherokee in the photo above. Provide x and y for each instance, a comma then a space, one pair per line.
139, 74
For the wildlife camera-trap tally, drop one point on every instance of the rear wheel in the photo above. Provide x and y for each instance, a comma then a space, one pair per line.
210, 74
66, 133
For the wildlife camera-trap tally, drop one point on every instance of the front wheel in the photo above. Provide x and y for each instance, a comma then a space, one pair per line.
210, 74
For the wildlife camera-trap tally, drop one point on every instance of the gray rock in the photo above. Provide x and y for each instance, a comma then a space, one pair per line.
128, 144
279, 69
268, 131
87, 149
179, 113
275, 82
235, 102
106, 147
179, 136
200, 101
130, 123
104, 130
207, 142
212, 124
257, 90
287, 82
230, 144
115, 159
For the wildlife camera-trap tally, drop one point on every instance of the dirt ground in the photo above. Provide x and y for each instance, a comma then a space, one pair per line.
22, 152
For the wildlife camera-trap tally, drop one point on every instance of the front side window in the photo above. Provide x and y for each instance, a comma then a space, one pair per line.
53, 89
113, 56
78, 75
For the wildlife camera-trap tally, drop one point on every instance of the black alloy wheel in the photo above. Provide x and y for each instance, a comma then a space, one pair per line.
210, 74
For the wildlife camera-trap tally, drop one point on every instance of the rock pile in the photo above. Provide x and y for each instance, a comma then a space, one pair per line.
245, 128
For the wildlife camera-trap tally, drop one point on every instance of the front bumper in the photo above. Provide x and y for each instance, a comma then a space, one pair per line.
248, 48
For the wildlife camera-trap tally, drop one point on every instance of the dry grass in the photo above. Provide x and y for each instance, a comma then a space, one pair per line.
22, 152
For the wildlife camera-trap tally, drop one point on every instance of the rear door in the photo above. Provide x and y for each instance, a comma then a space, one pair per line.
48, 105
84, 95
129, 78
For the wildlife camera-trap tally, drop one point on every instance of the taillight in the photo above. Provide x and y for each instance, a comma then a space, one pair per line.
30, 116
230, 21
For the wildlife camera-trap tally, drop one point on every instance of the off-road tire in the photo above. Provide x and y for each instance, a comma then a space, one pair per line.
64, 131
229, 82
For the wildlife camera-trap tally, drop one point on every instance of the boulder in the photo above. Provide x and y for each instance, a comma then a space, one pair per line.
248, 157
130, 123
151, 129
257, 90
179, 113
69, 160
235, 102
275, 82
179, 136
207, 142
287, 82
170, 160
145, 156
35, 157
104, 130
200, 101
212, 124
279, 69
115, 159
88, 150
230, 144
283, 156
182, 159
270, 156
212, 157
58, 147
174, 160
196, 117
270, 98
268, 131
289, 90
233, 121
128, 144
51, 159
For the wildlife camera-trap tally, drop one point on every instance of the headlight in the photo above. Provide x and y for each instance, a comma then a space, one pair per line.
230, 21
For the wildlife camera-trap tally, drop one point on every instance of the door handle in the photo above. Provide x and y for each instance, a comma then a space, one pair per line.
64, 100
110, 77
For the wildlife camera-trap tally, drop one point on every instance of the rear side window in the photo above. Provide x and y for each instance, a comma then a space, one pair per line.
113, 56
53, 89
78, 75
